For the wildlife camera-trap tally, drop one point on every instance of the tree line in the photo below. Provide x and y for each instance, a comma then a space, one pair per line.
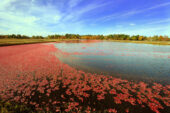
100, 37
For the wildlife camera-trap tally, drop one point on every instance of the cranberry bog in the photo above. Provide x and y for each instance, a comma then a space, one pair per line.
33, 79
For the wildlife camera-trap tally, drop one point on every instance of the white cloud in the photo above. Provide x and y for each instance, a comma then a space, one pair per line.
132, 24
159, 5
73, 3
57, 18
29, 17
132, 12
167, 20
29, 22
75, 15
145, 29
18, 18
4, 4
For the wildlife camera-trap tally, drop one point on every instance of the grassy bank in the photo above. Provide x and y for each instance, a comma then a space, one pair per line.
8, 42
144, 42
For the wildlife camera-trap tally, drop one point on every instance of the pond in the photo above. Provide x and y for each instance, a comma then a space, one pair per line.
48, 77
144, 62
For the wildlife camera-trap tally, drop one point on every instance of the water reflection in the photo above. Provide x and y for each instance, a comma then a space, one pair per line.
125, 60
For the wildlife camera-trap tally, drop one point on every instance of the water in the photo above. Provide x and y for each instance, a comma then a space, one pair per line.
136, 62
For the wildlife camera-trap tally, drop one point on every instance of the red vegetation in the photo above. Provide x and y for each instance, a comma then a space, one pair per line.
32, 75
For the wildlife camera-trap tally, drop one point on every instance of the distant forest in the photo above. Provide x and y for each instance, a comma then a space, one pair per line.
100, 37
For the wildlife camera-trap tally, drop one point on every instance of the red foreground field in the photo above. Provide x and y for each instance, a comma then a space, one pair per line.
33, 76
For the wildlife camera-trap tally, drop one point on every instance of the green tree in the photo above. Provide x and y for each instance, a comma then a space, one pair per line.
135, 37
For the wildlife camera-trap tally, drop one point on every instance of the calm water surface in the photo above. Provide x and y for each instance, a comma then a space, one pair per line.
144, 62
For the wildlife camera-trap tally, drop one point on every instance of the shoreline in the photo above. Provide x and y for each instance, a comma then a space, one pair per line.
12, 42
144, 42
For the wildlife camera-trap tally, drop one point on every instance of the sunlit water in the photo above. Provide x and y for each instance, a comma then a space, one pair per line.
149, 63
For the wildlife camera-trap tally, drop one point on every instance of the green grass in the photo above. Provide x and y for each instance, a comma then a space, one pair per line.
7, 42
144, 42
7, 107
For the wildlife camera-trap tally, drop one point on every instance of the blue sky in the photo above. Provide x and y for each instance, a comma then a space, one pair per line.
44, 17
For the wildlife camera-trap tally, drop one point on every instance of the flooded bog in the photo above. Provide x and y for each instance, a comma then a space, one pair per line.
130, 61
